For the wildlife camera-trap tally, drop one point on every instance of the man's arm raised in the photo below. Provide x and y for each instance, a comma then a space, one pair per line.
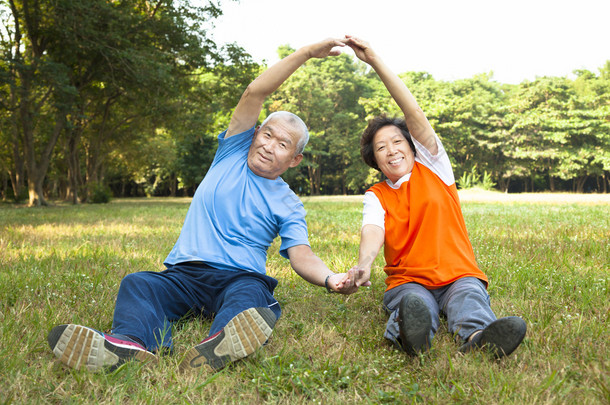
251, 102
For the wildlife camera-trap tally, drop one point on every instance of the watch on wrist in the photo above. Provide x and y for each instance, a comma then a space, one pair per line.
330, 290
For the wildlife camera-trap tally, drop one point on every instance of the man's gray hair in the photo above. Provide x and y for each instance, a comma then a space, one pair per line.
296, 122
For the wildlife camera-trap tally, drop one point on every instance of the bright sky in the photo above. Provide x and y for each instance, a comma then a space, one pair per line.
451, 39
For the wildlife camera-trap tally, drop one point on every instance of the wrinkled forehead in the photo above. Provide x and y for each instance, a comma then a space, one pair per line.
283, 128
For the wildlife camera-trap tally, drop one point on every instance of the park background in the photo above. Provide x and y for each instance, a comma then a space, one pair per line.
101, 99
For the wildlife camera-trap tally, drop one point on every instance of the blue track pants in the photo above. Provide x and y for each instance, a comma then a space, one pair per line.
149, 302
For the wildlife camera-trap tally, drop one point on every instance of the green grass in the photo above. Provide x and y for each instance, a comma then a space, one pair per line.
547, 262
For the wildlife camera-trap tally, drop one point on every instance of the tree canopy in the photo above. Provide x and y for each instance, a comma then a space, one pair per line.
129, 97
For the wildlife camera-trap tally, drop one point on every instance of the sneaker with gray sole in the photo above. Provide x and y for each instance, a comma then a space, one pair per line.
78, 346
242, 336
415, 324
502, 337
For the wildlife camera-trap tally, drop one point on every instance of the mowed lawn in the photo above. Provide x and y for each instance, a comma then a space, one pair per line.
547, 258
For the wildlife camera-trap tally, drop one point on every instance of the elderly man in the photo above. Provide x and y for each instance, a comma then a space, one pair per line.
217, 266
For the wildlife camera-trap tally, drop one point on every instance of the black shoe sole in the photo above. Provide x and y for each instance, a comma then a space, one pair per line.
504, 335
414, 323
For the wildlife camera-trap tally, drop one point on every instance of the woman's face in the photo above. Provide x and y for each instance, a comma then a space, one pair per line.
393, 153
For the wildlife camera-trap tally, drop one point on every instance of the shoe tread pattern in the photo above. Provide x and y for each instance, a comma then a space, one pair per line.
415, 324
78, 346
241, 337
504, 335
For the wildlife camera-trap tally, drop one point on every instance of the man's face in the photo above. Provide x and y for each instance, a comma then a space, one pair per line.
273, 149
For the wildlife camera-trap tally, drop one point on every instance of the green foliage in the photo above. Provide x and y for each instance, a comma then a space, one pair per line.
104, 75
100, 193
205, 111
133, 95
20, 198
473, 179
560, 128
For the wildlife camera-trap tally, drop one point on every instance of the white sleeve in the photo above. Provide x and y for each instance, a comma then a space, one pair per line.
372, 212
439, 163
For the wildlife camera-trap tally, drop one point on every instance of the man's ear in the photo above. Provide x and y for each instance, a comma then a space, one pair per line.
296, 160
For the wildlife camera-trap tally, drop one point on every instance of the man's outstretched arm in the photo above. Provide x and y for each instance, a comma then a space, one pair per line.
251, 102
311, 268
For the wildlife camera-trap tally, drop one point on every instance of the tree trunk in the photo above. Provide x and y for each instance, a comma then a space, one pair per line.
503, 183
36, 196
17, 178
4, 185
28, 111
318, 180
74, 175
580, 183
173, 185
310, 172
37, 168
92, 166
17, 175
94, 159
314, 176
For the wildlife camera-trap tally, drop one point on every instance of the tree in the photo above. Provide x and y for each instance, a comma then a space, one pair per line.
38, 95
69, 64
560, 129
592, 107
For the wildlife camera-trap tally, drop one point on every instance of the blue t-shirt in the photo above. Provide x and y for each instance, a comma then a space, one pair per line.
235, 214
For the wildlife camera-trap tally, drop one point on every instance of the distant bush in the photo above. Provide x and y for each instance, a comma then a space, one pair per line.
22, 197
100, 194
473, 179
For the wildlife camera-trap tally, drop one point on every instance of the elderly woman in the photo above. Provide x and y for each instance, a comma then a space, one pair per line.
415, 214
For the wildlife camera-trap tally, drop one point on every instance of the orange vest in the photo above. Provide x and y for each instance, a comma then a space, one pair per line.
426, 240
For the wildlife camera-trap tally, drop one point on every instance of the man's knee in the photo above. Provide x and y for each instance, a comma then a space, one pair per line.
134, 283
247, 289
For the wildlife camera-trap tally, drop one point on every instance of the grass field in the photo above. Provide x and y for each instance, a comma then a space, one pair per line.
548, 261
